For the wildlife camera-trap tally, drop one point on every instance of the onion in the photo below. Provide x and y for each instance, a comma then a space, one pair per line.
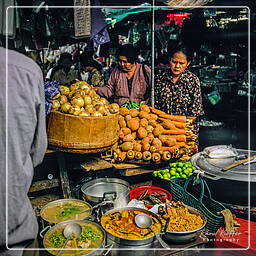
75, 110
64, 90
113, 108
84, 85
73, 87
56, 96
101, 109
77, 100
96, 113
87, 100
79, 92
63, 99
55, 105
104, 101
92, 93
96, 97
84, 113
65, 107
89, 108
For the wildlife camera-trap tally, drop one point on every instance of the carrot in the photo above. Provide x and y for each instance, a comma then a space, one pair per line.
156, 111
177, 118
179, 125
156, 157
174, 132
172, 149
183, 144
166, 155
167, 140
179, 138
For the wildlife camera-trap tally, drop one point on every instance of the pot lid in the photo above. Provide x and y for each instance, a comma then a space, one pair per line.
213, 167
99, 187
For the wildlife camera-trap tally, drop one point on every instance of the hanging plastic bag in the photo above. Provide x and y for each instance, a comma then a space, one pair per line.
213, 97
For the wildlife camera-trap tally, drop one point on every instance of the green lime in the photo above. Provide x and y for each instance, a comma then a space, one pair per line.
180, 164
186, 172
193, 167
179, 170
189, 169
187, 165
173, 164
173, 172
164, 171
183, 176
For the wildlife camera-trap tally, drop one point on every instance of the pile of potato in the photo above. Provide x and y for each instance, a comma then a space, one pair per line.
80, 99
144, 135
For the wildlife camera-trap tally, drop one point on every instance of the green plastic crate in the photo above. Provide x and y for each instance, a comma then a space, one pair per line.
202, 201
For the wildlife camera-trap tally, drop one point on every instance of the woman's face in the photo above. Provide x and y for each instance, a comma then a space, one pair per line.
124, 64
178, 63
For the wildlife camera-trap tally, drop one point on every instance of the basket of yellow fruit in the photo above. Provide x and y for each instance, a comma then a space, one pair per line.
82, 121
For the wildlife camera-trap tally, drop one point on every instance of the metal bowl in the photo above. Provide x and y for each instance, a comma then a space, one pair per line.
132, 242
58, 228
184, 237
113, 189
79, 216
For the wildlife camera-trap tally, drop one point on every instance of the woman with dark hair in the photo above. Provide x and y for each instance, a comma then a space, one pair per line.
130, 81
93, 68
177, 90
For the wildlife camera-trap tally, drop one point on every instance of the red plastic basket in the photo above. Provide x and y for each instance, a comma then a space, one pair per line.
136, 192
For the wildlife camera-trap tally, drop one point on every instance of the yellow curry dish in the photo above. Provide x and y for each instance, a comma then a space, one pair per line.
121, 223
66, 209
182, 218
91, 238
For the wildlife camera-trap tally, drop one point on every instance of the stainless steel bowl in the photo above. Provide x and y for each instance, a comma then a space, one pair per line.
184, 237
50, 220
112, 189
132, 242
60, 227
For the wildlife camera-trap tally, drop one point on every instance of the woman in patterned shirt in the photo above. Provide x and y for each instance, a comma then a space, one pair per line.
130, 81
177, 91
94, 69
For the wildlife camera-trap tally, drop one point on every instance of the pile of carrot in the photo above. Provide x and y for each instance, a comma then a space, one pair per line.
152, 134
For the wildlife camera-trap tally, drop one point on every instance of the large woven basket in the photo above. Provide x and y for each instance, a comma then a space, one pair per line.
200, 198
81, 134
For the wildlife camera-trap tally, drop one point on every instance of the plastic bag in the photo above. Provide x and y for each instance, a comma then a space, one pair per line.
213, 97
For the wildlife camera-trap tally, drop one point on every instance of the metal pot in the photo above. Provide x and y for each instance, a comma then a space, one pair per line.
60, 227
130, 242
184, 237
79, 216
234, 181
107, 189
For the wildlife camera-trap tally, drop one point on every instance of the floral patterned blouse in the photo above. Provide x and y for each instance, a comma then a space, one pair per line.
180, 98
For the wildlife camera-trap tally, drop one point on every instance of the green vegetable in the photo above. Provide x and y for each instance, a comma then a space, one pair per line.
131, 105
57, 240
66, 212
89, 233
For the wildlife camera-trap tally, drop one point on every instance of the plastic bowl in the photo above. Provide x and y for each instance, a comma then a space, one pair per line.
136, 192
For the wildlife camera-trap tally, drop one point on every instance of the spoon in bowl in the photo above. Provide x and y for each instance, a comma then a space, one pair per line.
68, 231
145, 221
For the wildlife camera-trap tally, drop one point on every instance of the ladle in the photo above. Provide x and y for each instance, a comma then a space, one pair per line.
68, 231
145, 221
